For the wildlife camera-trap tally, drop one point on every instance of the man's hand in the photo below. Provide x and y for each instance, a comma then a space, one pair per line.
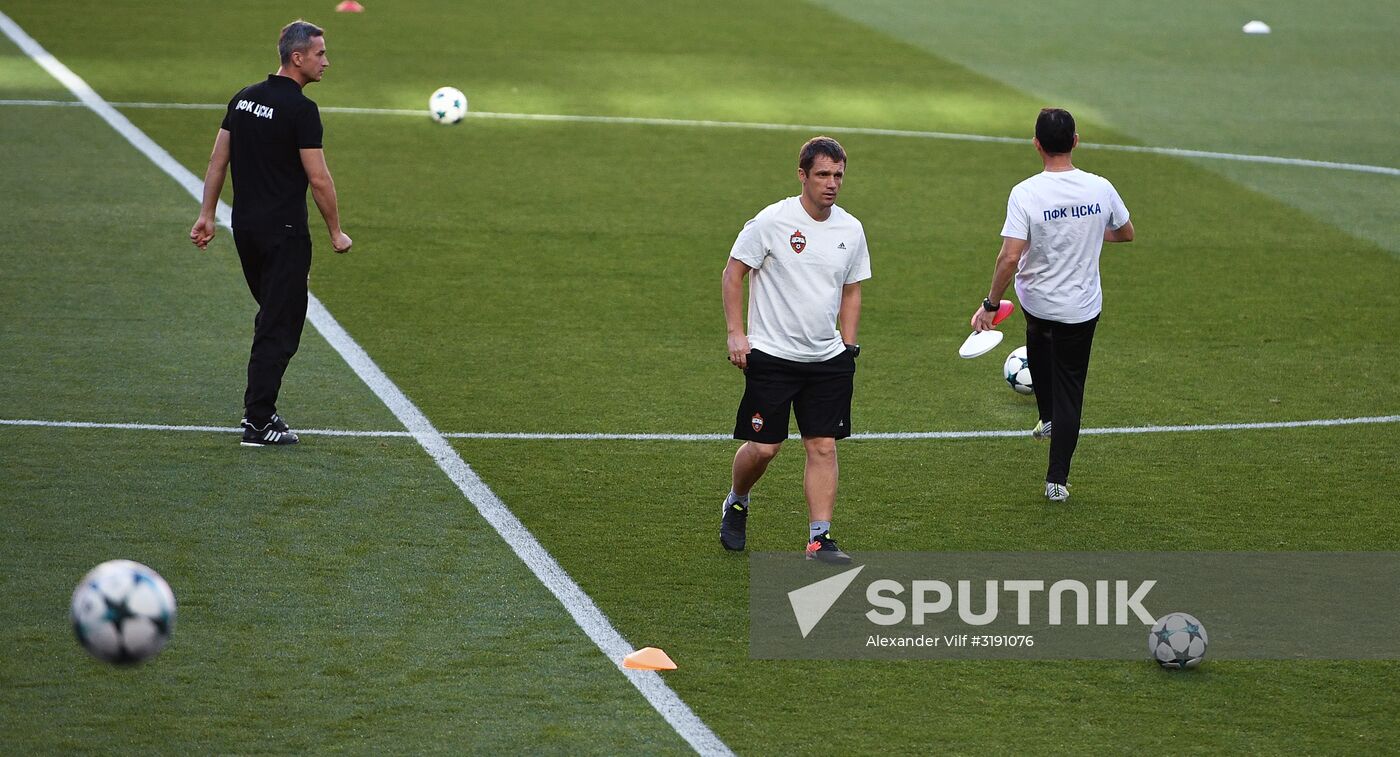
202, 232
739, 351
982, 319
340, 242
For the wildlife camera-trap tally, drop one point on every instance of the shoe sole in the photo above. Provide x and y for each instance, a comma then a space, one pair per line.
267, 444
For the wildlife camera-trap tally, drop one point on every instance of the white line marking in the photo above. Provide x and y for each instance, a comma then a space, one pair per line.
578, 604
940, 135
874, 436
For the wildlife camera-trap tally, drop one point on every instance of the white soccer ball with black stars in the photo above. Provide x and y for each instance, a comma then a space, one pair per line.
123, 612
447, 105
1177, 640
1017, 371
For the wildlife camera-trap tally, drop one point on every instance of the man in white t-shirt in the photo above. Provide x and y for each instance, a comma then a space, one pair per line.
1056, 224
805, 258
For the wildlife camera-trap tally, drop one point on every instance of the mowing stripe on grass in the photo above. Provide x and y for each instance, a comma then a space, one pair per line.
895, 435
578, 604
951, 136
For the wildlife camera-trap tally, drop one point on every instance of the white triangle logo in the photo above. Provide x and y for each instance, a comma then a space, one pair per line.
811, 602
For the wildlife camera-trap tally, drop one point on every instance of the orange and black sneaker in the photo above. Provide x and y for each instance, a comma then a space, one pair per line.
824, 548
732, 526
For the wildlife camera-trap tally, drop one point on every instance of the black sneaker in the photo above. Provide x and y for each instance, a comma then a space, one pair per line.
732, 525
273, 433
277, 423
824, 548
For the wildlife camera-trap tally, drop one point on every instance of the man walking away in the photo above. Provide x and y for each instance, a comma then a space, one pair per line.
1056, 224
271, 136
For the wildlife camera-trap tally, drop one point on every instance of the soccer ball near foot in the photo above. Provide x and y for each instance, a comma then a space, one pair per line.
123, 612
1177, 640
1017, 371
447, 105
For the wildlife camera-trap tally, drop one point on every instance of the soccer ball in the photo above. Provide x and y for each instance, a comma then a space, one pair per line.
123, 612
1177, 640
1017, 371
447, 105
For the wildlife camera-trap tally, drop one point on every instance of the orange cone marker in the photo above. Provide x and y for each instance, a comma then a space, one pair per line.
648, 658
350, 6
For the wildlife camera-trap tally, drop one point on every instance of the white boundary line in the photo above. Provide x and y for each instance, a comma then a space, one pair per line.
940, 135
578, 604
875, 436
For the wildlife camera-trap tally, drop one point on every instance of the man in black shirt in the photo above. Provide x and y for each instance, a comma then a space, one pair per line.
271, 135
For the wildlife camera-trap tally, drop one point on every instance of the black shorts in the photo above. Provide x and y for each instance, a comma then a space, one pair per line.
819, 393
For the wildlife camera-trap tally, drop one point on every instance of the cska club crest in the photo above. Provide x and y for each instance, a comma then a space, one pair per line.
757, 422
798, 242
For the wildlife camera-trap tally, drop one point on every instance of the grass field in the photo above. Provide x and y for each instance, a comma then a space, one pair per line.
562, 277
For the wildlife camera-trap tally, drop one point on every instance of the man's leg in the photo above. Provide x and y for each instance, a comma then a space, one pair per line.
823, 410
277, 334
819, 480
251, 255
762, 424
1073, 343
1040, 355
750, 462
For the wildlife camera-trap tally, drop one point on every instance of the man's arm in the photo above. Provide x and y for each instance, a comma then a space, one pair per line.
848, 317
318, 174
1123, 233
1010, 256
733, 290
205, 227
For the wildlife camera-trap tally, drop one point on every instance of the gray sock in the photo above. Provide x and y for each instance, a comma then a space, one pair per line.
733, 498
817, 528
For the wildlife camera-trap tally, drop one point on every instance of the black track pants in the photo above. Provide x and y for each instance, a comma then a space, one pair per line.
1058, 354
275, 266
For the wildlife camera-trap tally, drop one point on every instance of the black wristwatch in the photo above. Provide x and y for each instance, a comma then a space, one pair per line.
854, 349
989, 306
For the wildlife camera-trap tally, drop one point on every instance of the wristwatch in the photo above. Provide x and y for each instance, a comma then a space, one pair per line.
854, 349
989, 306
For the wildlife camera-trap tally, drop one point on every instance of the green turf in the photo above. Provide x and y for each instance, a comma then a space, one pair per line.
1321, 86
1162, 492
337, 594
516, 276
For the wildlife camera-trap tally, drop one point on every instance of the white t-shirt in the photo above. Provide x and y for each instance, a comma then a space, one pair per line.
1063, 215
800, 266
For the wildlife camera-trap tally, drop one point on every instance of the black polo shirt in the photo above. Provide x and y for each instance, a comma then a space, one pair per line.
269, 123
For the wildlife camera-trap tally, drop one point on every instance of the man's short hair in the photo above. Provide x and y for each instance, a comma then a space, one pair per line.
819, 146
1055, 130
296, 38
